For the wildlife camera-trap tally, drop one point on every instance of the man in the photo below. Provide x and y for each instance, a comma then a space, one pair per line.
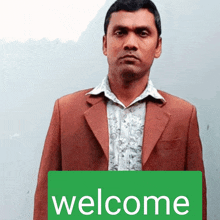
124, 123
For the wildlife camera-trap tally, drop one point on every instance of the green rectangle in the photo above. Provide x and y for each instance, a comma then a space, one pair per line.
125, 194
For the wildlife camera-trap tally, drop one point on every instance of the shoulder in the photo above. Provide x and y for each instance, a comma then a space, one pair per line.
76, 100
176, 104
73, 97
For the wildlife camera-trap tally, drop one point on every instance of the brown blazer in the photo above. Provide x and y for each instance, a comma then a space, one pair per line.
78, 139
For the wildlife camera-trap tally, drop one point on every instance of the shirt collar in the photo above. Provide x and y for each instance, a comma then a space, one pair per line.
104, 87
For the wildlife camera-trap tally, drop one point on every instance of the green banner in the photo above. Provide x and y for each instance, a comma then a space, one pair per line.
124, 195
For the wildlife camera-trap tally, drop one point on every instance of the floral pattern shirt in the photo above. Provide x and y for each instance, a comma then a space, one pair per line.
125, 126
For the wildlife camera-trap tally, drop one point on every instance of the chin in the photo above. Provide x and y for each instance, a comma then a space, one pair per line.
129, 74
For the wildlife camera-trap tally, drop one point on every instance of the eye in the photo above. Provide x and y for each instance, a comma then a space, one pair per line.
119, 33
143, 33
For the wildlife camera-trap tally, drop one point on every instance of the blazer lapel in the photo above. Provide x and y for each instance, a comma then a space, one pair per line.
156, 120
96, 117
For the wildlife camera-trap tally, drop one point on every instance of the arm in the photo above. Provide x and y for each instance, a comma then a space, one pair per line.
51, 160
194, 159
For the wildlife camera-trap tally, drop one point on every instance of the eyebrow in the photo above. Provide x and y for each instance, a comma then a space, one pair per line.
138, 28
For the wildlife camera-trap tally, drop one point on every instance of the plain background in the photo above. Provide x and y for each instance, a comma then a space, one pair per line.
34, 74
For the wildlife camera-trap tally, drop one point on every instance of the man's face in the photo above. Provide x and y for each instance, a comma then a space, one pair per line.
131, 44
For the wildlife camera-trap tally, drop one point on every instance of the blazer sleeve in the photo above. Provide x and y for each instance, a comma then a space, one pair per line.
51, 160
194, 159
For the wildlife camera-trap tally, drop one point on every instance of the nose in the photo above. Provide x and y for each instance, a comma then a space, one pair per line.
131, 42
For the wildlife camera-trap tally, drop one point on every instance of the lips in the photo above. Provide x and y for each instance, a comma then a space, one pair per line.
131, 56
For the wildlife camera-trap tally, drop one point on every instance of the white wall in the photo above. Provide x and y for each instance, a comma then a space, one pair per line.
34, 73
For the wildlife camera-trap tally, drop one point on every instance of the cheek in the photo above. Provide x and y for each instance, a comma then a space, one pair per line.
114, 46
149, 53
113, 54
112, 50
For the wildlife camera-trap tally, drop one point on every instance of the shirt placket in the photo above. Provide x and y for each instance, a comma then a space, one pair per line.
128, 132
123, 151
120, 141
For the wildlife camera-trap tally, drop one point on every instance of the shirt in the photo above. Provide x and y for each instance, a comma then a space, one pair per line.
125, 126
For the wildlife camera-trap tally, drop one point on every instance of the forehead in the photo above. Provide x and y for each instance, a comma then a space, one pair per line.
141, 17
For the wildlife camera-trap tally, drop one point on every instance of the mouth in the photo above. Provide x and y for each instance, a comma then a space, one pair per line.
130, 57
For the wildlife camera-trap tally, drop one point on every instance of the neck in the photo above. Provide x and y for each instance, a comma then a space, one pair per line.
128, 91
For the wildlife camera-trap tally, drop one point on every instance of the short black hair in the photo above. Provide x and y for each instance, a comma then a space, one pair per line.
133, 5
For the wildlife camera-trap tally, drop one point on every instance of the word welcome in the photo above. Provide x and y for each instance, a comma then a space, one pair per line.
82, 203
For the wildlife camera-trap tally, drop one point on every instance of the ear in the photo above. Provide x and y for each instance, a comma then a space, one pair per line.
158, 50
104, 45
